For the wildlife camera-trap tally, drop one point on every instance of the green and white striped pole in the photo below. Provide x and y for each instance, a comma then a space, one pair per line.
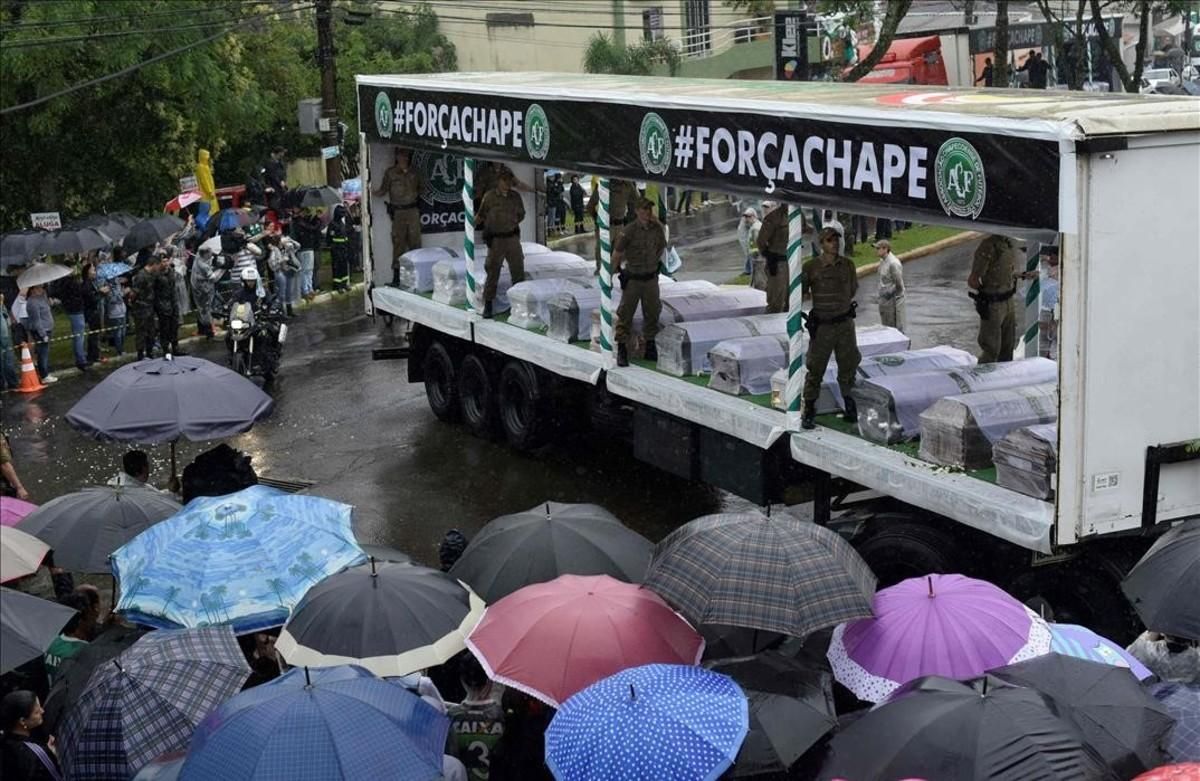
1031, 340
468, 198
795, 323
606, 277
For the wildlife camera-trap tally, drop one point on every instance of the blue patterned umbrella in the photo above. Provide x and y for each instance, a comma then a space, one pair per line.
244, 559
112, 270
1182, 701
654, 721
326, 724
148, 700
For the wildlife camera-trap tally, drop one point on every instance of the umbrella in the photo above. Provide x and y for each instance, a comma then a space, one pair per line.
165, 767
1171, 567
658, 721
939, 728
74, 672
964, 627
549, 540
148, 700
319, 197
110, 225
12, 510
149, 232
384, 553
553, 639
779, 574
325, 725
213, 245
1082, 643
74, 241
85, 527
1114, 712
231, 219
20, 553
244, 559
723, 642
42, 274
27, 627
182, 201
1182, 701
18, 247
1185, 772
392, 619
112, 270
791, 708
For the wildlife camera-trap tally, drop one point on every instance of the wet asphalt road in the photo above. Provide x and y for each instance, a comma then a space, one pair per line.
360, 433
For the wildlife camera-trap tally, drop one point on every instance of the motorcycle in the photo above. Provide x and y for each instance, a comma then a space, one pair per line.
255, 340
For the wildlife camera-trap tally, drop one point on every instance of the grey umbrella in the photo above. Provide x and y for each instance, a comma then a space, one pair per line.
149, 232
778, 574
552, 539
28, 625
19, 247
1170, 569
319, 197
74, 241
86, 526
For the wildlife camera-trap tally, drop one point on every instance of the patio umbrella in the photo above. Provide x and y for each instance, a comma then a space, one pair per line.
182, 201
28, 625
112, 270
778, 574
1182, 701
549, 540
19, 247
20, 553
75, 672
86, 526
1082, 643
318, 197
791, 708
42, 274
148, 700
1114, 712
966, 627
320, 725
12, 510
74, 241
1171, 567
392, 619
981, 729
149, 232
553, 639
658, 721
244, 559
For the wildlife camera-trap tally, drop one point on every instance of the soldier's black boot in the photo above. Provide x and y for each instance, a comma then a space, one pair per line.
487, 310
850, 413
808, 419
651, 351
622, 355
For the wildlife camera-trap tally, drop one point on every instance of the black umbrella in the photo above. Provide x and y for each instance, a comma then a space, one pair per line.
724, 642
1108, 704
28, 625
791, 708
319, 197
382, 553
74, 241
149, 232
549, 540
1158, 582
74, 672
108, 224
940, 728
392, 619
19, 247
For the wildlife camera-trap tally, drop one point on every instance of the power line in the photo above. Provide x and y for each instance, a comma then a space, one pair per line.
176, 11
35, 42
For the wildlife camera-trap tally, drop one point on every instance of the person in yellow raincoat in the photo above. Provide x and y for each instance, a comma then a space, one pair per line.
204, 181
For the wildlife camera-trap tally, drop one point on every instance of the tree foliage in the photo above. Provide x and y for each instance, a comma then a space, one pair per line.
896, 11
123, 144
604, 55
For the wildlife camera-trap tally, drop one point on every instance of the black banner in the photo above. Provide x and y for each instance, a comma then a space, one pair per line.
791, 45
875, 169
441, 201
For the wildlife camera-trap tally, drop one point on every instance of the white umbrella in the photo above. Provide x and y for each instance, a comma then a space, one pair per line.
20, 553
41, 273
213, 245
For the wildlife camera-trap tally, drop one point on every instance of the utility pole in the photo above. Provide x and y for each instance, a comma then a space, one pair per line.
329, 114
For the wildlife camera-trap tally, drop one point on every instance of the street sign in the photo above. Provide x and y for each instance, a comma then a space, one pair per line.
48, 221
329, 152
188, 184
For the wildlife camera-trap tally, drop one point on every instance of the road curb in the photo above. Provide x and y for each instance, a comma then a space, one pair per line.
923, 250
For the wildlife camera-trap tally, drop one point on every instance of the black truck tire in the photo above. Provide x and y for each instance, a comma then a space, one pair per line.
477, 397
524, 413
897, 550
1078, 592
441, 382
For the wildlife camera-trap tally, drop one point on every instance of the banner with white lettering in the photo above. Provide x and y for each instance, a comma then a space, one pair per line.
873, 169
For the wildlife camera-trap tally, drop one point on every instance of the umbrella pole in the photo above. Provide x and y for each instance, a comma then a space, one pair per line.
174, 483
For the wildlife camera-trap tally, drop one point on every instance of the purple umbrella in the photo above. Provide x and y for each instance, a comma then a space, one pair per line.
1083, 643
947, 625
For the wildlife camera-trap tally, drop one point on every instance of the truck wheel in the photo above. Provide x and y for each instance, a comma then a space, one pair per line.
1078, 592
477, 397
441, 383
523, 414
901, 550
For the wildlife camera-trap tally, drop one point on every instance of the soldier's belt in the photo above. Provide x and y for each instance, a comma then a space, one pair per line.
649, 275
615, 222
995, 298
504, 234
843, 317
412, 205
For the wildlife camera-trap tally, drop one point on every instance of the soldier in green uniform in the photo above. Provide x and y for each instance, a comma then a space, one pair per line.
166, 306
141, 307
402, 185
622, 195
993, 277
500, 214
772, 245
831, 280
636, 256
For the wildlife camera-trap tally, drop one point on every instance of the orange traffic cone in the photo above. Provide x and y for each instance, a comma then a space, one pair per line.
29, 376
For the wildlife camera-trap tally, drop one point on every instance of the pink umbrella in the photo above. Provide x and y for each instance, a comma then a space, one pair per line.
948, 625
13, 510
551, 640
182, 201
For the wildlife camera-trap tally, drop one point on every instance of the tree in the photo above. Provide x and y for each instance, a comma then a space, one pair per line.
1073, 66
604, 55
896, 10
1130, 81
1000, 71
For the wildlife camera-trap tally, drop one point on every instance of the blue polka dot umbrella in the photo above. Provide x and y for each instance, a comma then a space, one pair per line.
658, 721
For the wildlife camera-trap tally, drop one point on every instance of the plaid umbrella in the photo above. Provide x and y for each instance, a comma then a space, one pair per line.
1182, 701
148, 701
779, 574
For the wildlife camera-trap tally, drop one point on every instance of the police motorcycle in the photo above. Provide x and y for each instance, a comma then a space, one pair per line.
255, 330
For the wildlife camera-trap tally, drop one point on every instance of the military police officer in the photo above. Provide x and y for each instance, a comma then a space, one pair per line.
636, 255
402, 185
622, 194
831, 280
500, 214
772, 245
166, 305
141, 307
994, 278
